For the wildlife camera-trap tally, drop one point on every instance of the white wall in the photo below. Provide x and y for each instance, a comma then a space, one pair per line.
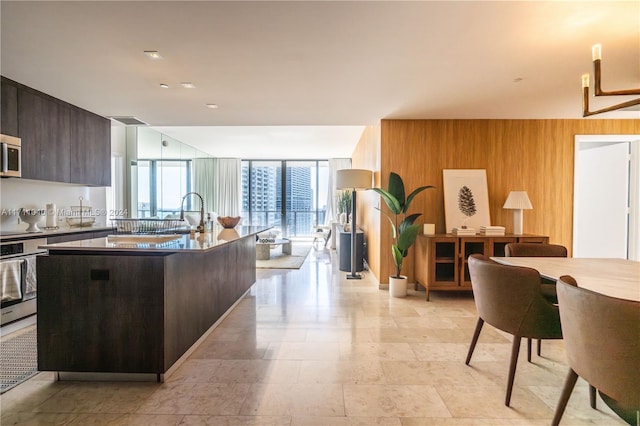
18, 193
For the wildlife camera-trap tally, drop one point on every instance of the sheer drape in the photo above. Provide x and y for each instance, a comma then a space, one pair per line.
228, 186
332, 206
203, 181
219, 181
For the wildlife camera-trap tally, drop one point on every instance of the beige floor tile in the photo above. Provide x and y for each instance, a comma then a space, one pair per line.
195, 371
485, 401
343, 335
430, 309
304, 350
98, 397
30, 418
428, 322
390, 311
440, 351
457, 421
241, 349
257, 371
126, 420
359, 371
394, 401
27, 396
196, 398
308, 347
418, 335
294, 400
426, 373
578, 407
236, 421
345, 421
377, 351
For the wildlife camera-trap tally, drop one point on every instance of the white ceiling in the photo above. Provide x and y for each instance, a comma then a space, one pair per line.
308, 66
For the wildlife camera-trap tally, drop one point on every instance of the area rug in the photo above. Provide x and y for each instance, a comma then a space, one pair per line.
18, 359
278, 260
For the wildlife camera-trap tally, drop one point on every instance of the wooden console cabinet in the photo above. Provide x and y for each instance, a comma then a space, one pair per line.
441, 259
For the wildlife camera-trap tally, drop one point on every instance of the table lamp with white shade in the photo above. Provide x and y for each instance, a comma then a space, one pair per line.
355, 180
518, 201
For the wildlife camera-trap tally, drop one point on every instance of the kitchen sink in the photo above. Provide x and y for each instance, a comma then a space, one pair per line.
142, 239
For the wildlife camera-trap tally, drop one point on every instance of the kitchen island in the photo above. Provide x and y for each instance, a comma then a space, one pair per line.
137, 304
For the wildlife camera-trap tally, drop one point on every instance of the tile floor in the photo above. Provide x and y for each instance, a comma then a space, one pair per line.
308, 347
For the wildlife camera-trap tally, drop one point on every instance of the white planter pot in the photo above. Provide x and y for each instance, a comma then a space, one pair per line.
398, 286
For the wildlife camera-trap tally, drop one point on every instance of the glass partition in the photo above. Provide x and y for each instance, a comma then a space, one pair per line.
161, 173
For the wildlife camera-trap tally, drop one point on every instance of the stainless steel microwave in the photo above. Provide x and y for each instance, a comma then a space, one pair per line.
11, 161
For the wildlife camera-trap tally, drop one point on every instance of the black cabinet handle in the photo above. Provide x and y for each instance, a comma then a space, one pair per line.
99, 275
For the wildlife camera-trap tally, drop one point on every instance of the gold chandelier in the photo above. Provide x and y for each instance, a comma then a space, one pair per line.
596, 52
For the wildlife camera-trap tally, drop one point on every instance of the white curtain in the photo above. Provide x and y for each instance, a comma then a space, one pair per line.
219, 181
335, 164
228, 186
203, 181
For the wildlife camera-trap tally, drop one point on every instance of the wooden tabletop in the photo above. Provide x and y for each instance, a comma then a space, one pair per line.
613, 277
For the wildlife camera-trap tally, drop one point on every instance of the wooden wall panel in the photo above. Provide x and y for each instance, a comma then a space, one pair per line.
532, 155
367, 156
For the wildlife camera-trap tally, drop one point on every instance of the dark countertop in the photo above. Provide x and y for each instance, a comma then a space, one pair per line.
158, 243
8, 236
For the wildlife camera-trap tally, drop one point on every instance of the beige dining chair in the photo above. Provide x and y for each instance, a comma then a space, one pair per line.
510, 299
548, 286
602, 343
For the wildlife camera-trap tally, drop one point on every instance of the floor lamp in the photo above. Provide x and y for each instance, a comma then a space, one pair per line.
355, 180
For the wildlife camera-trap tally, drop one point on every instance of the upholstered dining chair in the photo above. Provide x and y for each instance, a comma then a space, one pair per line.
548, 286
509, 298
602, 343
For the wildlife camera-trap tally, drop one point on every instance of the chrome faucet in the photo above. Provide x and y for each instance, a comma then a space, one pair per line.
200, 227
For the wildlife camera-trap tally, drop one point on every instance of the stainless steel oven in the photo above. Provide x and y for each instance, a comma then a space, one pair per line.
10, 156
18, 280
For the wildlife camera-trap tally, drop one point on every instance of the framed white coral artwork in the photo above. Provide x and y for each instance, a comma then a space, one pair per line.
466, 198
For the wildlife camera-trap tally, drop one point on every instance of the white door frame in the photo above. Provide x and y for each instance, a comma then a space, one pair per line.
634, 187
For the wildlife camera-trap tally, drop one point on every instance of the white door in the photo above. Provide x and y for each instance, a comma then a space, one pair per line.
601, 199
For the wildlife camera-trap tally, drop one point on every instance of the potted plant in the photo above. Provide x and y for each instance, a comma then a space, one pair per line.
344, 206
404, 231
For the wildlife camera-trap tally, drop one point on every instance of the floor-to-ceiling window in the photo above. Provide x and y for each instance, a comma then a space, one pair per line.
288, 195
161, 186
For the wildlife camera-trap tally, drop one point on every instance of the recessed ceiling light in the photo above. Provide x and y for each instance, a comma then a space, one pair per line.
164, 86
153, 54
188, 85
212, 106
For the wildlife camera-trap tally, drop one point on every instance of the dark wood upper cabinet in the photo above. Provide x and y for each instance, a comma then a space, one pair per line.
60, 142
9, 109
89, 153
45, 130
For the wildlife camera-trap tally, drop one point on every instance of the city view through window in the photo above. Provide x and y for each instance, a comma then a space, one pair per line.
290, 196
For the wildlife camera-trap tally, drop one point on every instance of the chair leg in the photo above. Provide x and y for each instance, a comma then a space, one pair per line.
592, 396
515, 350
539, 346
528, 350
474, 340
569, 383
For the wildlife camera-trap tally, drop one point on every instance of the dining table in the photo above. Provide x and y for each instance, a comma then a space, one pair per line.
618, 278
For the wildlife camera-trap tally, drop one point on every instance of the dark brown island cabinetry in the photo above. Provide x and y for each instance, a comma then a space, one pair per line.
441, 259
120, 311
60, 142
